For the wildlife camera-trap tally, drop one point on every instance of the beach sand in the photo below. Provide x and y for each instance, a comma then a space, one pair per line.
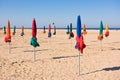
57, 59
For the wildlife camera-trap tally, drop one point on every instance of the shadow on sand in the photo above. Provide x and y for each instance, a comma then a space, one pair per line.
115, 42
64, 43
18, 47
60, 57
115, 49
36, 50
15, 47
104, 69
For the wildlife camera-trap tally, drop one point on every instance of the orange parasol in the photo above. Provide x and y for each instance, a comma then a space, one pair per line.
8, 35
84, 30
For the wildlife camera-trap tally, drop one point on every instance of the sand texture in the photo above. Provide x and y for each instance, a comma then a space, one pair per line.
57, 59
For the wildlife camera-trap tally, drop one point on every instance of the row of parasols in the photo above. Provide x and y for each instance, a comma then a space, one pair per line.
80, 45
69, 31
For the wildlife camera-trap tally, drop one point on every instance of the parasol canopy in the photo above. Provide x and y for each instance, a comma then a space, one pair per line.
71, 33
8, 33
107, 31
4, 29
79, 38
49, 30
67, 30
84, 30
100, 36
14, 30
33, 40
22, 33
54, 30
44, 30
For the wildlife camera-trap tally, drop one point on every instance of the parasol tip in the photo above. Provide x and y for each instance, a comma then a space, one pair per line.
8, 21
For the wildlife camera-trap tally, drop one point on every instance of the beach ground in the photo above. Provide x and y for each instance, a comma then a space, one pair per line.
57, 59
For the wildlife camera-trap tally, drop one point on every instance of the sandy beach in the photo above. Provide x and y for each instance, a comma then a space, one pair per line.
57, 59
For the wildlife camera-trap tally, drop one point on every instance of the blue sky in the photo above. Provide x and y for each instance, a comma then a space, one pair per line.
61, 12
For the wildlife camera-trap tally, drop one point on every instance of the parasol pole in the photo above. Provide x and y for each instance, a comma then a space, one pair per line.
71, 43
78, 64
9, 48
100, 46
33, 40
85, 38
49, 42
23, 39
34, 55
108, 39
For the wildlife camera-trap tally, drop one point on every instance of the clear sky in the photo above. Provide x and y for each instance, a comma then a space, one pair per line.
61, 12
